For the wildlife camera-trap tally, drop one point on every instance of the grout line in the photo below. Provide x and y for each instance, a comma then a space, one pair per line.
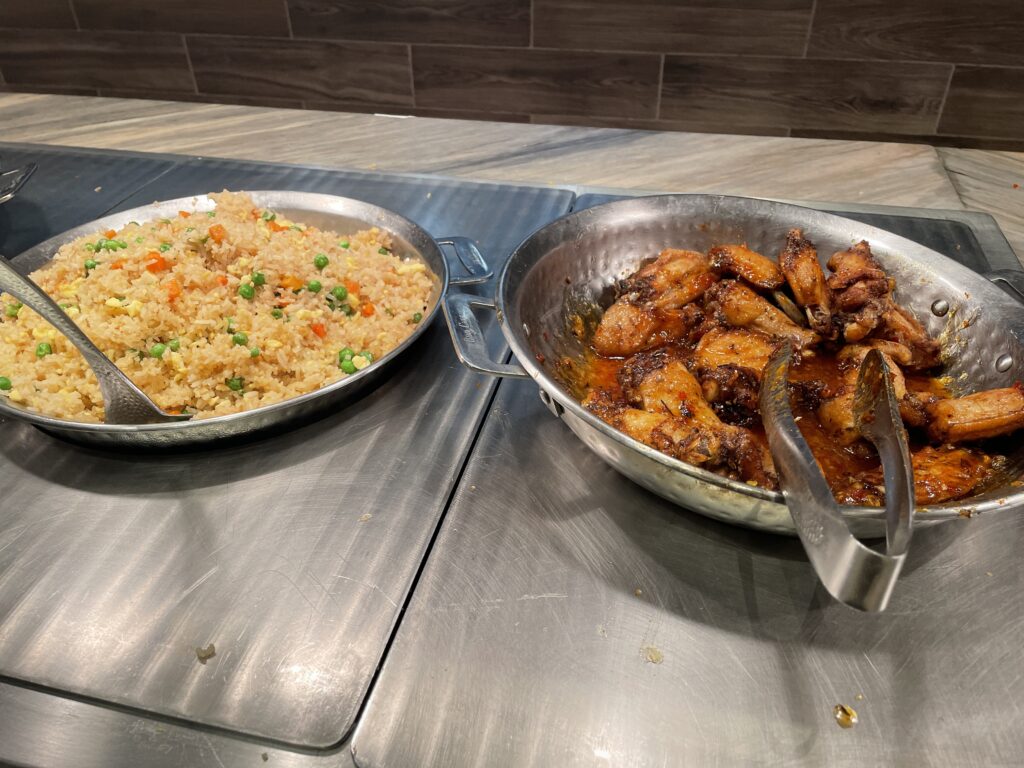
945, 95
810, 28
288, 19
531, 23
74, 15
191, 69
412, 79
661, 85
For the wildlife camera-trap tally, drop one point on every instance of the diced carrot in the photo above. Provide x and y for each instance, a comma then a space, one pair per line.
367, 309
155, 262
119, 264
110, 233
184, 214
291, 282
173, 289
275, 227
218, 233
174, 411
351, 285
255, 213
222, 279
319, 329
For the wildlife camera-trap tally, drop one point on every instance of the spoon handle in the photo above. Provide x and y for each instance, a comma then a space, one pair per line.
124, 403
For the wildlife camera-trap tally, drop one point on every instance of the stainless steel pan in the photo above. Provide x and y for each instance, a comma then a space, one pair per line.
568, 270
324, 211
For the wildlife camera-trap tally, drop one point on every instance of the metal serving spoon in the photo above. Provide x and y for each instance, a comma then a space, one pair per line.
851, 572
123, 402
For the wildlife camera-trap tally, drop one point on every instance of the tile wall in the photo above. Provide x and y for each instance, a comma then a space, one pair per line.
943, 71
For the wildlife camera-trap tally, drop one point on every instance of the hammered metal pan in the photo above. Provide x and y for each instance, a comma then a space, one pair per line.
324, 211
567, 271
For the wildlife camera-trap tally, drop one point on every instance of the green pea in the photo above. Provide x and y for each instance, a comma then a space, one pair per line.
157, 350
254, 352
43, 349
383, 251
347, 366
12, 310
165, 247
321, 261
247, 291
231, 324
295, 228
91, 247
346, 354
211, 214
235, 384
240, 339
417, 317
121, 243
347, 309
314, 286
277, 314
343, 244
268, 216
140, 239
258, 278
368, 355
5, 384
91, 264
340, 292
174, 345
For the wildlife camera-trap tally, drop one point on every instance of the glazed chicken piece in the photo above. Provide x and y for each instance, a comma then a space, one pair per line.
628, 328
836, 413
799, 262
733, 303
671, 281
729, 363
750, 265
860, 290
897, 324
974, 417
940, 474
735, 346
661, 384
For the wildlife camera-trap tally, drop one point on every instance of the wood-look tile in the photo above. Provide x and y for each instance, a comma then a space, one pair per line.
536, 81
802, 93
684, 126
935, 140
203, 98
37, 14
470, 22
985, 101
446, 114
236, 17
371, 73
976, 32
94, 59
692, 26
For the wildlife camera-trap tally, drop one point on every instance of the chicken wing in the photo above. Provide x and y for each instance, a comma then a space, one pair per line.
628, 328
898, 325
799, 262
672, 280
860, 289
836, 413
729, 363
750, 265
736, 305
661, 384
735, 346
940, 474
974, 417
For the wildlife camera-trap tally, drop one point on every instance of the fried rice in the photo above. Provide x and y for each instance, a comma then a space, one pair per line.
213, 312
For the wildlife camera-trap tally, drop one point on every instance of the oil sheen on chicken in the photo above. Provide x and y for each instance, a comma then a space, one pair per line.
678, 359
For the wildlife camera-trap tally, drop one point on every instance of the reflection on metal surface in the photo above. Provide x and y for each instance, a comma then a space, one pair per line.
289, 556
522, 644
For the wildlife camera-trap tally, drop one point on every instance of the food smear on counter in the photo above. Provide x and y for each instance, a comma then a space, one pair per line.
845, 716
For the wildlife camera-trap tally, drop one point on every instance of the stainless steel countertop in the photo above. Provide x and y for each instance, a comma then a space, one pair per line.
568, 617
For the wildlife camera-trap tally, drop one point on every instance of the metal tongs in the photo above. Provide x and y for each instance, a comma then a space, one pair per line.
123, 402
852, 573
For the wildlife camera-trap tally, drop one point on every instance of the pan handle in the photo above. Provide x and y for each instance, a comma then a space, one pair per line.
1010, 280
470, 258
468, 339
